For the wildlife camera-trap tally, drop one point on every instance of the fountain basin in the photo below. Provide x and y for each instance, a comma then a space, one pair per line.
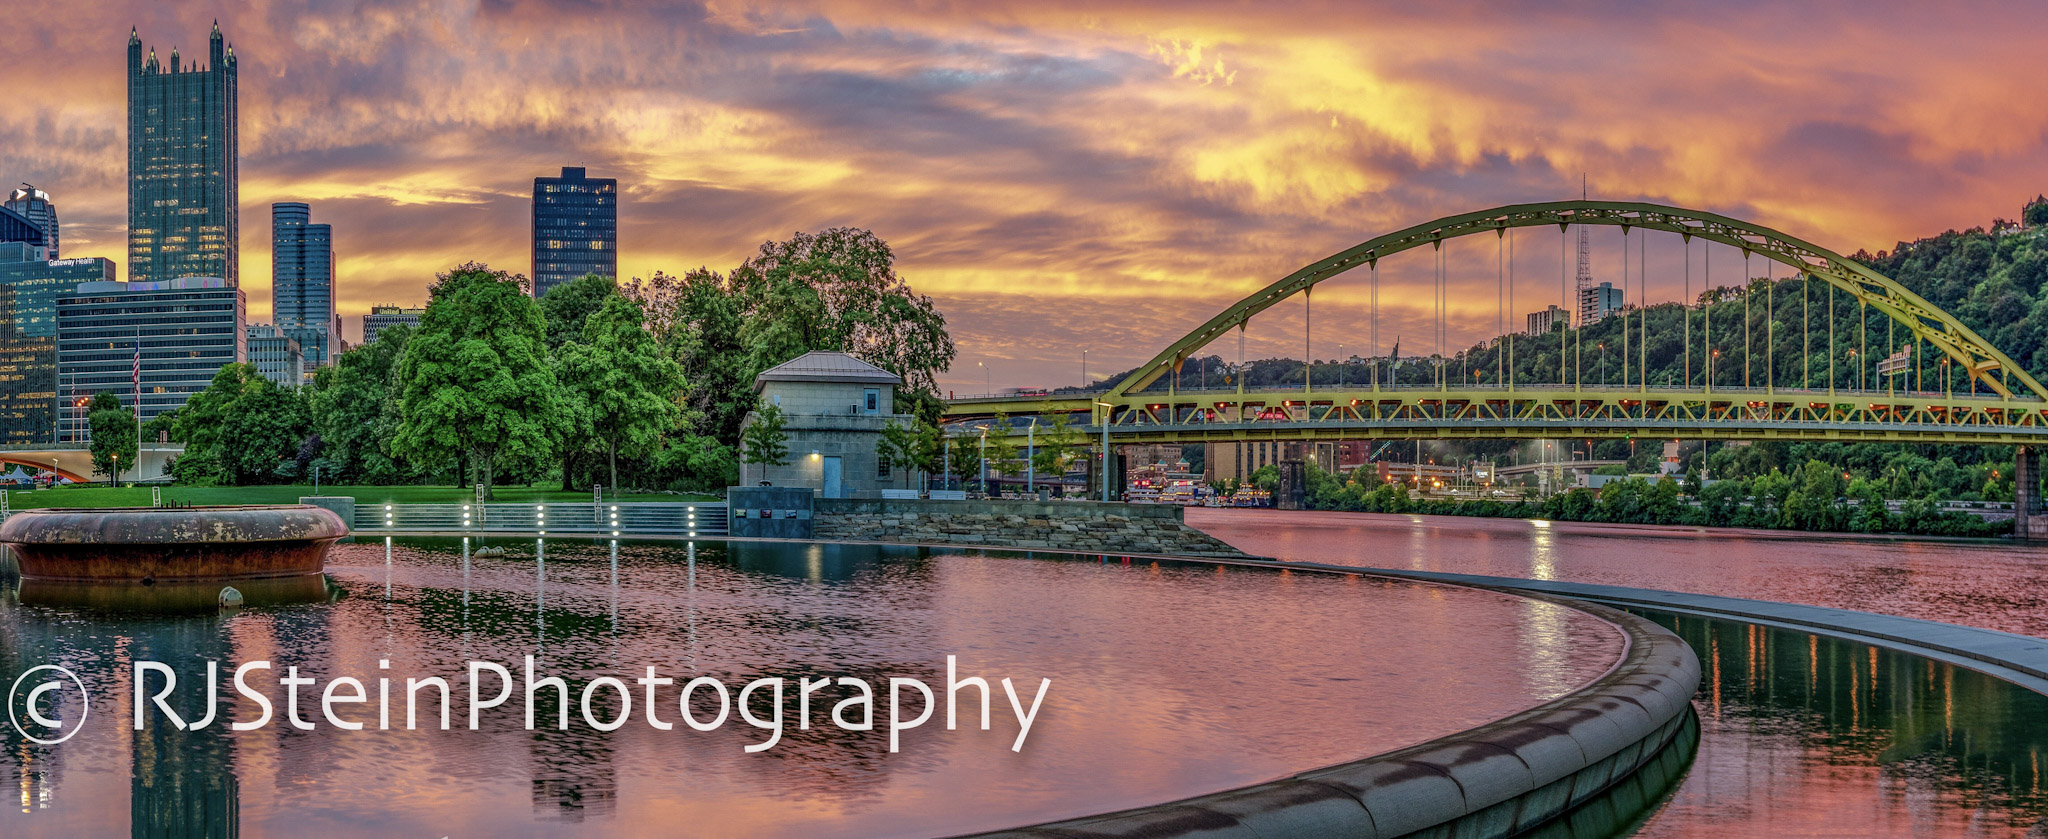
164, 544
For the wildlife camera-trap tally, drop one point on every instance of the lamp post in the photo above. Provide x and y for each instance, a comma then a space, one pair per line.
986, 386
984, 462
1030, 453
1105, 447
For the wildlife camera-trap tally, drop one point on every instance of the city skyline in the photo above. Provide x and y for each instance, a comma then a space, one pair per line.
1129, 169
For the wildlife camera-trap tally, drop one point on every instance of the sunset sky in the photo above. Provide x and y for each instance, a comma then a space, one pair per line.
1060, 175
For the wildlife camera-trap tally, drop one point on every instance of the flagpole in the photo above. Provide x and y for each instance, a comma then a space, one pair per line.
138, 404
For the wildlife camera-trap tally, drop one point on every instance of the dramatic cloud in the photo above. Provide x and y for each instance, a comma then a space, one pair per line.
1062, 175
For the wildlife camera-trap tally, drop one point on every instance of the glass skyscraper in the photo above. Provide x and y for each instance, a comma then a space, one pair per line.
302, 281
182, 145
35, 205
31, 391
575, 228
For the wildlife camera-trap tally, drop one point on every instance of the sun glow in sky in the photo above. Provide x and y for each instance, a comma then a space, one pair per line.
1058, 175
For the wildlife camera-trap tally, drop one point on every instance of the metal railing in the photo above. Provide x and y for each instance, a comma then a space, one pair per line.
575, 518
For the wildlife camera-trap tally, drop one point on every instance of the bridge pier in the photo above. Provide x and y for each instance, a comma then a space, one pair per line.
2029, 517
1292, 491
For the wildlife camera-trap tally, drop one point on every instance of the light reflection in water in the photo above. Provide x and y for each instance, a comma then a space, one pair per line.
1810, 736
1165, 685
1542, 551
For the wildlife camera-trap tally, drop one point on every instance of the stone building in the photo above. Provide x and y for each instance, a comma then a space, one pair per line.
834, 407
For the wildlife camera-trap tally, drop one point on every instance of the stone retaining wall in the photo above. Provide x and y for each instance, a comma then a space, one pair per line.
1086, 526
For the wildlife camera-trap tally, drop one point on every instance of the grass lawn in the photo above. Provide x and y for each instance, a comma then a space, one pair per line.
20, 499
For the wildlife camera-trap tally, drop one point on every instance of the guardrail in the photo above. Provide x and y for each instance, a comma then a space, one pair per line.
620, 518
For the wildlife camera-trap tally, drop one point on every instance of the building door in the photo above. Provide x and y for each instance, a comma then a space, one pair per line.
834, 486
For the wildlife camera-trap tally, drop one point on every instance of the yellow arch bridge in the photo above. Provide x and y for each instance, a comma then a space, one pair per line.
1981, 396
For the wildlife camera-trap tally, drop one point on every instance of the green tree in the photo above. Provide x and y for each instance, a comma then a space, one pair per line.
355, 411
627, 385
998, 450
242, 429
569, 305
837, 289
764, 442
113, 435
915, 446
1054, 447
475, 380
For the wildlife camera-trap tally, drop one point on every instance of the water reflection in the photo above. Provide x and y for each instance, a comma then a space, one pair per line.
1805, 735
1165, 686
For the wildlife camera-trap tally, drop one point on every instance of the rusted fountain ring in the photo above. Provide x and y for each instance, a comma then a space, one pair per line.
141, 544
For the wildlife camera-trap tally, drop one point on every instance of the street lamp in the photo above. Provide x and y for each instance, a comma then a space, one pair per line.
1106, 407
1859, 370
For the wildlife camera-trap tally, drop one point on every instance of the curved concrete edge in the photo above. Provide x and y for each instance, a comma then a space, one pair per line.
1497, 780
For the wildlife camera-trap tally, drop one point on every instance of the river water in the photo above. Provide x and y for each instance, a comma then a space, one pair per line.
1800, 735
1985, 583
1168, 681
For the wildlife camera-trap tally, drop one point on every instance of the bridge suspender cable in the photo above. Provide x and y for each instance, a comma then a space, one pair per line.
1770, 328
1748, 289
1511, 307
1500, 308
1564, 299
1685, 310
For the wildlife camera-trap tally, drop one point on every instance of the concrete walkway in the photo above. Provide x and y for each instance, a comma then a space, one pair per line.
2020, 659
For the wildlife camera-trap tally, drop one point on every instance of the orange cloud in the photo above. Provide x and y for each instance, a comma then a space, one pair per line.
1123, 170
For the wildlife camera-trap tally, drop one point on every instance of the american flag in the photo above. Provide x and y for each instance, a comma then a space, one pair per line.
136, 376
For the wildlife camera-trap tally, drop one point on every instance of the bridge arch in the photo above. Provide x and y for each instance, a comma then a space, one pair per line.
50, 465
1926, 321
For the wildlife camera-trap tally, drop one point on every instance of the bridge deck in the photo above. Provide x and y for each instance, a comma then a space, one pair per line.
1466, 412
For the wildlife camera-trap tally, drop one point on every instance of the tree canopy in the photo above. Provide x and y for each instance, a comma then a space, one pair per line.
475, 381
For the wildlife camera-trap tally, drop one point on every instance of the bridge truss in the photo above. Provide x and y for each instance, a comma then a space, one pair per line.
1137, 410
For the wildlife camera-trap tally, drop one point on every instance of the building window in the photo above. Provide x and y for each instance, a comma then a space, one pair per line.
873, 399
882, 468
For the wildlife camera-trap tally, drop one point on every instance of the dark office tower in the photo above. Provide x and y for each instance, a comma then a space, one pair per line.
302, 280
575, 228
34, 204
182, 145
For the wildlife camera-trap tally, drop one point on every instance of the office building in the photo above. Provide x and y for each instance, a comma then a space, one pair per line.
31, 392
1543, 322
15, 227
1597, 302
302, 281
276, 355
187, 329
182, 146
35, 205
575, 228
385, 316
